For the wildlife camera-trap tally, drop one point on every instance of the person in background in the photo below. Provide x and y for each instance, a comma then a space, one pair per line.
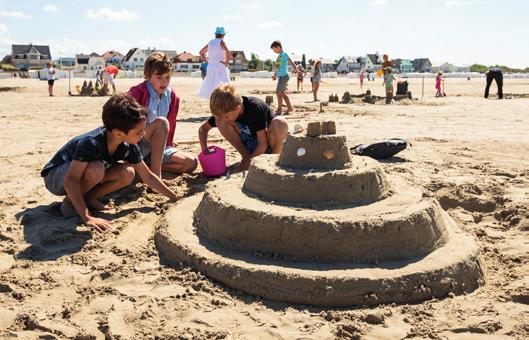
50, 75
389, 78
218, 60
282, 77
494, 73
108, 75
316, 79
438, 81
301, 74
203, 69
361, 77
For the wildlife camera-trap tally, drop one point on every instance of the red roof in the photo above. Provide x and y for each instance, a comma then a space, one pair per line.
186, 57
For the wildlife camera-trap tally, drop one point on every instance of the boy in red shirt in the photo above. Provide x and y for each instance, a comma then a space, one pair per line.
162, 106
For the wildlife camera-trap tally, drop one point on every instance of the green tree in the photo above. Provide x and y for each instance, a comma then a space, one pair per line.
255, 63
268, 65
478, 68
304, 61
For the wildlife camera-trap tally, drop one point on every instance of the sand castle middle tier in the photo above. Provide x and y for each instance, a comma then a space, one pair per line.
304, 206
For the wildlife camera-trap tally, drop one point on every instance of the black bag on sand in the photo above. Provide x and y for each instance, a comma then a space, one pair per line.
381, 150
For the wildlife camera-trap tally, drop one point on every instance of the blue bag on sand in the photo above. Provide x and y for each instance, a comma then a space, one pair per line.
381, 150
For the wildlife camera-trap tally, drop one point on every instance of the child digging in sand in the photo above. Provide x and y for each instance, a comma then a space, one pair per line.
282, 76
246, 122
102, 161
162, 106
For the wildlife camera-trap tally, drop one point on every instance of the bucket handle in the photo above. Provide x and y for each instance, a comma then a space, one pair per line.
210, 150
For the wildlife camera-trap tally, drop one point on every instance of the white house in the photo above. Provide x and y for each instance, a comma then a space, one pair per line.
328, 65
186, 62
113, 58
373, 62
349, 64
135, 57
89, 62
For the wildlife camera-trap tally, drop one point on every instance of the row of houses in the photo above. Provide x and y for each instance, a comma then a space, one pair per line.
37, 56
373, 62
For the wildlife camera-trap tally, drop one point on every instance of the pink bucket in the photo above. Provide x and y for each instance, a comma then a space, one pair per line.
213, 161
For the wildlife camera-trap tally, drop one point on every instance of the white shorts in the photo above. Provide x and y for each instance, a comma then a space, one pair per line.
108, 78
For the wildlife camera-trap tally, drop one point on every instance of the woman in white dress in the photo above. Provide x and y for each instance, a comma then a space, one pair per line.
218, 60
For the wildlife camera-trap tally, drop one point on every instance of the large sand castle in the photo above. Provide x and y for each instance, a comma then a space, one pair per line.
318, 226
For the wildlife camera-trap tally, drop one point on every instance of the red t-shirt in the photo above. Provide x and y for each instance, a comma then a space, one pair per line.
112, 69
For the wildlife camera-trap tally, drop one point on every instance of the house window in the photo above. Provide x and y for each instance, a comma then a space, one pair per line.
135, 59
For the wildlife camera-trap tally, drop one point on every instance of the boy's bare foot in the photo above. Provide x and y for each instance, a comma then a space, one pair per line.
97, 206
67, 208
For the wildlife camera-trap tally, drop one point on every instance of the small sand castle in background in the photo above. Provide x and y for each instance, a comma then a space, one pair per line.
318, 226
89, 90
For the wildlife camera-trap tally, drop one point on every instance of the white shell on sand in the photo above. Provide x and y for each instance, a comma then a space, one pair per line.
301, 152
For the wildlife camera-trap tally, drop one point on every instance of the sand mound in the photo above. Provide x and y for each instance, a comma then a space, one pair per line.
315, 226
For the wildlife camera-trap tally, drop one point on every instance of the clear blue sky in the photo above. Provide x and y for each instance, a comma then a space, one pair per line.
458, 31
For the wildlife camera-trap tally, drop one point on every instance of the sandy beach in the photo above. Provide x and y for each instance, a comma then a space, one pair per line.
58, 279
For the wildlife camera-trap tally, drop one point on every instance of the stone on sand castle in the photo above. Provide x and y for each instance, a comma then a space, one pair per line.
319, 230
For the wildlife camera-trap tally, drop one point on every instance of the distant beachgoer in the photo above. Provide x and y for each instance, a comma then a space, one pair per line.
203, 69
496, 74
218, 60
388, 84
368, 76
108, 75
99, 82
361, 77
51, 77
316, 79
386, 62
438, 80
301, 74
282, 76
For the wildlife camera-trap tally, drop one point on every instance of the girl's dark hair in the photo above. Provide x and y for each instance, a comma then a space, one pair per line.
122, 112
218, 36
276, 43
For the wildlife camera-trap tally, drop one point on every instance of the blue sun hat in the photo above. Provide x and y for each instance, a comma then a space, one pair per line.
220, 31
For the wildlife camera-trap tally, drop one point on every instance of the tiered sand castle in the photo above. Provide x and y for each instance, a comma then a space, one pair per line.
318, 226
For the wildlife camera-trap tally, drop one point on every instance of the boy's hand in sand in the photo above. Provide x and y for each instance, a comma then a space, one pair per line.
99, 224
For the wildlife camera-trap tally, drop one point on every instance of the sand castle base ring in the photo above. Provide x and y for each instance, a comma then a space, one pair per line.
455, 268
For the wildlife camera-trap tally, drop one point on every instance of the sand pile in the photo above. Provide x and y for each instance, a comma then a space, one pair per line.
317, 226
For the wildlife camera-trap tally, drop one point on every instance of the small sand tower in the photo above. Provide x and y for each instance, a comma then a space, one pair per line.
318, 226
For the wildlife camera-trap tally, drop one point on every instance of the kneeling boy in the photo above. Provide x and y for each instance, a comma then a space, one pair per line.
102, 161
246, 122
162, 106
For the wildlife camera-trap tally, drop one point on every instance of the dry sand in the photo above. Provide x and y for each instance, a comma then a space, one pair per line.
58, 279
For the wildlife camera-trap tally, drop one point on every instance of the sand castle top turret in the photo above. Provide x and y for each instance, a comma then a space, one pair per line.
320, 149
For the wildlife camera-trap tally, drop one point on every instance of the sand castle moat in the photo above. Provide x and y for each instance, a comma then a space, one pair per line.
318, 226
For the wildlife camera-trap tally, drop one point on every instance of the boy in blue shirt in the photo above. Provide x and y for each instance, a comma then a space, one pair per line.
102, 161
282, 76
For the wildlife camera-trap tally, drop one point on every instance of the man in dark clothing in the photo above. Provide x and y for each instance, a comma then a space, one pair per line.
496, 74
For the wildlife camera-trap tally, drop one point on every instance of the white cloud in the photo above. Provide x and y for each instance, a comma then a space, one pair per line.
5, 41
250, 4
231, 17
374, 3
270, 24
51, 9
107, 14
14, 14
